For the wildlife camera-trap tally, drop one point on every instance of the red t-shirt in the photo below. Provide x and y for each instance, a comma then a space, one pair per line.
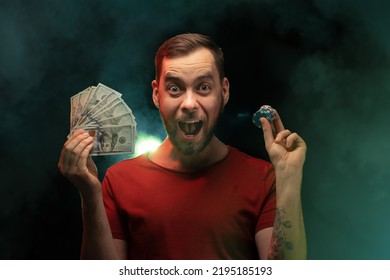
212, 213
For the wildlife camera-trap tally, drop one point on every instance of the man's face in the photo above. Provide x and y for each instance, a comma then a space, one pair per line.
190, 96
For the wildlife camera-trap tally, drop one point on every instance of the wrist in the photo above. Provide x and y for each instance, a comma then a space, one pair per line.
288, 171
90, 195
288, 181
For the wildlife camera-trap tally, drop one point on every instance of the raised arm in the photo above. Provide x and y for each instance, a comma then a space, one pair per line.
287, 153
76, 165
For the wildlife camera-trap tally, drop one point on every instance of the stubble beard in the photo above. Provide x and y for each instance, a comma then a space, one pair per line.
190, 147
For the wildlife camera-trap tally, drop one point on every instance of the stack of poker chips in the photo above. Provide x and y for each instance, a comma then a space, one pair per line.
265, 111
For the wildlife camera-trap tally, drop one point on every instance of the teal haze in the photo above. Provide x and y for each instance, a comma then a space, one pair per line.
323, 64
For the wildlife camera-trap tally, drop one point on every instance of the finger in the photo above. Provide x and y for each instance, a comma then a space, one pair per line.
70, 151
70, 145
74, 135
91, 165
63, 157
291, 141
78, 150
277, 122
281, 137
82, 162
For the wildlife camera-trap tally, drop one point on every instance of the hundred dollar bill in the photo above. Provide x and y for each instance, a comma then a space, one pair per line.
112, 140
126, 119
116, 110
74, 100
104, 104
96, 96
82, 98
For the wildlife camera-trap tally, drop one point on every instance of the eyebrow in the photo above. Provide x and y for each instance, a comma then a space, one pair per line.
207, 76
171, 77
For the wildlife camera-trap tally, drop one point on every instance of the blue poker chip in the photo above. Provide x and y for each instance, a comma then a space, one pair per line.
265, 111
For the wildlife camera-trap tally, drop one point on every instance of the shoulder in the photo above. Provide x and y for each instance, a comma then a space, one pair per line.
126, 172
123, 166
242, 158
252, 171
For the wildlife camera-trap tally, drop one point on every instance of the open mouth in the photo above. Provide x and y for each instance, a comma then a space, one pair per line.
190, 128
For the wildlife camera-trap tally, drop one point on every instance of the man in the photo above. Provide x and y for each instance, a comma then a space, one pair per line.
194, 197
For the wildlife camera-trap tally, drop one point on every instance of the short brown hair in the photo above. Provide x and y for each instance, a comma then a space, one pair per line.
184, 44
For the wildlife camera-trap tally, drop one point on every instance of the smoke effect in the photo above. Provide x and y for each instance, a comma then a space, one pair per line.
322, 64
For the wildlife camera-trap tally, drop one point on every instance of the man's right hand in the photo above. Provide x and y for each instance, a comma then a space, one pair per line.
76, 164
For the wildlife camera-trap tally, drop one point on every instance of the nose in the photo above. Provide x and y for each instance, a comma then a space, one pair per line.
189, 103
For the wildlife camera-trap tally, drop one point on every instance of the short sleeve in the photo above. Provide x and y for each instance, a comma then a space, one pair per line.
266, 217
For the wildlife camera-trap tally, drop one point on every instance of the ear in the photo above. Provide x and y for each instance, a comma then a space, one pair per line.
225, 91
155, 94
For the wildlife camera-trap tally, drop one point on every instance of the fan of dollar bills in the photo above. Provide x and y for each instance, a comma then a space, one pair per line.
102, 112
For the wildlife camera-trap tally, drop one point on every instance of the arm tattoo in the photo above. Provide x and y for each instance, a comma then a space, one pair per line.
278, 240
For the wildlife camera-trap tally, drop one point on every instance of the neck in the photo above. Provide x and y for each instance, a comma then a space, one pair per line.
168, 156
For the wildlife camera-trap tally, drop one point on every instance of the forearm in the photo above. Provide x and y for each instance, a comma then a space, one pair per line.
288, 237
97, 238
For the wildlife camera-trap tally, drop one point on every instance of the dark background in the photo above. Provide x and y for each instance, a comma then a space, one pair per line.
323, 64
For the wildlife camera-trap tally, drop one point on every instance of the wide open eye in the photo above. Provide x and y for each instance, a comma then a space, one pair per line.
174, 89
204, 89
